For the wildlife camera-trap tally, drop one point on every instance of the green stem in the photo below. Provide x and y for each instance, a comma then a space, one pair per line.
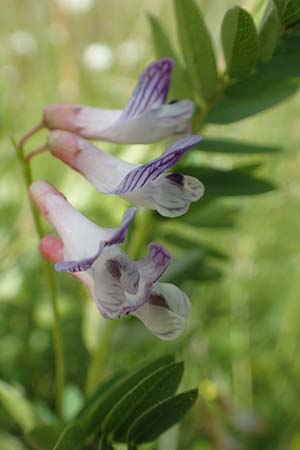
49, 275
95, 372
198, 120
140, 234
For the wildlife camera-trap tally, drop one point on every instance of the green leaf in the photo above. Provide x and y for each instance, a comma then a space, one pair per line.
270, 31
289, 12
72, 438
188, 243
286, 61
196, 47
90, 418
45, 436
100, 391
234, 182
212, 215
181, 83
234, 146
184, 267
104, 444
190, 266
16, 404
257, 93
156, 387
97, 414
240, 42
162, 416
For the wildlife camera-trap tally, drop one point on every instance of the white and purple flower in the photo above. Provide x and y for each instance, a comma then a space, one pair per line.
147, 117
118, 285
147, 185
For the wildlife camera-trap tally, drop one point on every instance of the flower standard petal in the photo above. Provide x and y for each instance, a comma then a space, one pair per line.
166, 311
145, 119
139, 177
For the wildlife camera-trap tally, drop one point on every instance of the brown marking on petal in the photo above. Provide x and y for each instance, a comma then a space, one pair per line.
158, 300
114, 268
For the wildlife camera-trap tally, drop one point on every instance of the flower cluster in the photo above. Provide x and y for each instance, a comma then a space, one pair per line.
118, 284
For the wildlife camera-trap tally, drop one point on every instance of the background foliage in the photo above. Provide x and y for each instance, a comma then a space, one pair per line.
235, 253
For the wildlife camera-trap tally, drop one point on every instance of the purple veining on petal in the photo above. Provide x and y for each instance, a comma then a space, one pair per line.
154, 265
117, 238
152, 87
142, 175
80, 265
121, 232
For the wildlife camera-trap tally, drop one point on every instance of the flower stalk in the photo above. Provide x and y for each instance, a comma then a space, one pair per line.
50, 280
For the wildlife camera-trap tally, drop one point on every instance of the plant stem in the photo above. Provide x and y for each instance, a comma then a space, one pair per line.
197, 122
95, 372
141, 231
49, 275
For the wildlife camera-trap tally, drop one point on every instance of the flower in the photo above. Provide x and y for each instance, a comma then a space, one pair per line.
147, 185
118, 285
145, 119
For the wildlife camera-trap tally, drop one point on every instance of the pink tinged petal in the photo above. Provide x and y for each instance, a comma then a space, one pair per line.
52, 249
85, 121
166, 311
61, 116
143, 175
80, 236
104, 171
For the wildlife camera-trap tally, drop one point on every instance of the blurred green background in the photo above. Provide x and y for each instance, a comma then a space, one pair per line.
241, 345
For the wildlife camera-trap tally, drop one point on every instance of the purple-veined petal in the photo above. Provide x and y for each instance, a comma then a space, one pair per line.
114, 236
154, 265
152, 88
142, 175
150, 269
170, 194
165, 312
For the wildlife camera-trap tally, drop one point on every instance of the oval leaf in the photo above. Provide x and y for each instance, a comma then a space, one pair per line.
270, 31
240, 42
162, 416
196, 47
243, 99
156, 387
